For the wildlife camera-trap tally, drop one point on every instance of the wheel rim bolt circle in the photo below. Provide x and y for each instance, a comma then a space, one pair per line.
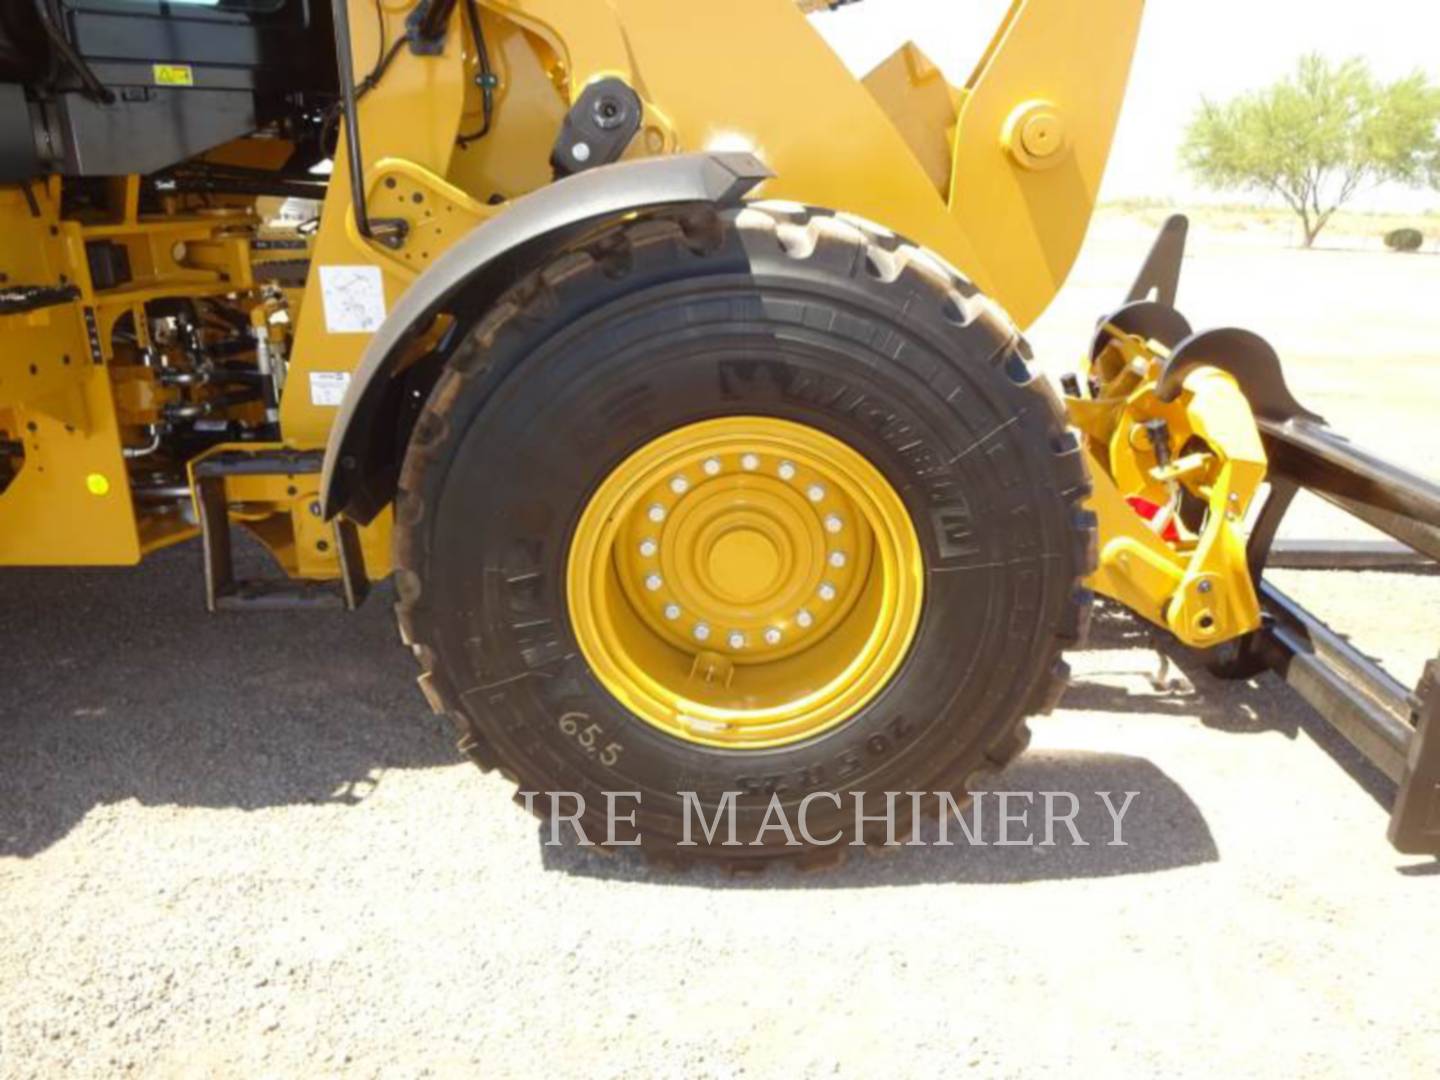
772, 630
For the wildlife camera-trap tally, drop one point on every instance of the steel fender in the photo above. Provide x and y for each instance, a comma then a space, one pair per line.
361, 458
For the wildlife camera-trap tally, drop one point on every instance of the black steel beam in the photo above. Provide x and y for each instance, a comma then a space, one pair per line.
1353, 693
1415, 821
1346, 555
1318, 459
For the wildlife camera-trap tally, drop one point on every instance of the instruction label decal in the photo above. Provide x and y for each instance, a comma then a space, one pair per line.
328, 387
174, 75
354, 298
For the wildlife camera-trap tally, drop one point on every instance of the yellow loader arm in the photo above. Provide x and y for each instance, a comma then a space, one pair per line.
1020, 150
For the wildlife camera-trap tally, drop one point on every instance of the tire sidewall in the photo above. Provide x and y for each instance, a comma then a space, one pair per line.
613, 364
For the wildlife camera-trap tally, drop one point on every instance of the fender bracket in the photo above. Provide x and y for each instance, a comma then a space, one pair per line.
362, 457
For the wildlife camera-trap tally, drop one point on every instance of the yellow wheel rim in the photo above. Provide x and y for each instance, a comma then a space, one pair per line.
745, 582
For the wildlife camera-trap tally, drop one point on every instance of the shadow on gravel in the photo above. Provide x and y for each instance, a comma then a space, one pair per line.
1163, 830
116, 684
1243, 707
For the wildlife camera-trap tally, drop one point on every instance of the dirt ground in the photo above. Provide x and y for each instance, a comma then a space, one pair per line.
242, 846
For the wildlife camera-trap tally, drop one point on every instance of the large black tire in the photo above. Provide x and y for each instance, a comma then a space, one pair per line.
771, 310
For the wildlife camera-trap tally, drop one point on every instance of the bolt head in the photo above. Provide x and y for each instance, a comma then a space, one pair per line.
672, 611
833, 524
837, 559
712, 466
803, 618
736, 640
648, 548
827, 591
749, 462
653, 582
772, 635
580, 151
701, 632
679, 485
786, 470
815, 492
656, 513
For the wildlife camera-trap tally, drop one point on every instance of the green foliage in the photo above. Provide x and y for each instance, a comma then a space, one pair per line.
1318, 137
1404, 239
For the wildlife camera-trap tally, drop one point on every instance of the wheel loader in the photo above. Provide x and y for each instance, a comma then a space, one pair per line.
674, 374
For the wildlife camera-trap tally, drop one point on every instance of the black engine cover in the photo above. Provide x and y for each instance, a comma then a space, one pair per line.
182, 79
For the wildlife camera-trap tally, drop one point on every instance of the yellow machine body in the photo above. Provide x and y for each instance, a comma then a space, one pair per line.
997, 176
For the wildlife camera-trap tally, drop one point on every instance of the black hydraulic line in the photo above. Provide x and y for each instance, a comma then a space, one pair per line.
352, 118
391, 233
485, 79
73, 60
387, 231
202, 184
20, 299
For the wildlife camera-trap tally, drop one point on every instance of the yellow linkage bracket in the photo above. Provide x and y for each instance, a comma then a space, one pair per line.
1173, 483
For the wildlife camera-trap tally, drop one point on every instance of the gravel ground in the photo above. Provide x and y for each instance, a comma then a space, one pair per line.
242, 846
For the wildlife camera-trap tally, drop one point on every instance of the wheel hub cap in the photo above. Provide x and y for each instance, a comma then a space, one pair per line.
745, 582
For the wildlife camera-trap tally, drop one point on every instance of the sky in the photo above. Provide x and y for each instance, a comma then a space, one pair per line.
1189, 49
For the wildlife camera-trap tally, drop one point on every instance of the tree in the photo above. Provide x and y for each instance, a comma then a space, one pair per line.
1318, 137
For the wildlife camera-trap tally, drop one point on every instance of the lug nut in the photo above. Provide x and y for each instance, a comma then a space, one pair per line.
653, 582
712, 466
701, 631
648, 548
827, 591
749, 462
656, 513
815, 492
772, 636
786, 470
672, 611
736, 639
679, 485
833, 524
837, 559
803, 618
